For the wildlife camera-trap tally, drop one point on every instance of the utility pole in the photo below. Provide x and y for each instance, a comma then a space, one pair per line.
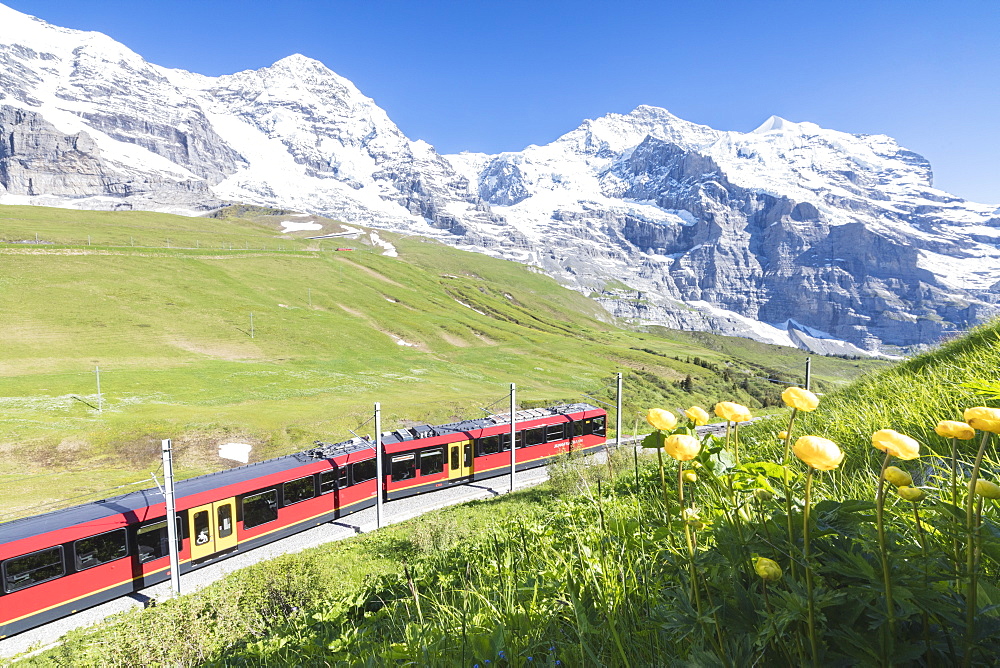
379, 474
251, 325
618, 422
618, 413
100, 397
513, 435
808, 372
168, 484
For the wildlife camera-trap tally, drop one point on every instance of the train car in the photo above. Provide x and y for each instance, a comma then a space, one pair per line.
55, 564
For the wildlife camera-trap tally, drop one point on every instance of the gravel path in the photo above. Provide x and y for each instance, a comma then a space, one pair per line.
361, 522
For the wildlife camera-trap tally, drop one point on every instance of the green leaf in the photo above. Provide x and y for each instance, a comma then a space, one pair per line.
654, 440
770, 469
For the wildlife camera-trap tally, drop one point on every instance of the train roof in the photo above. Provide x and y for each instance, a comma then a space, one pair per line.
95, 510
425, 431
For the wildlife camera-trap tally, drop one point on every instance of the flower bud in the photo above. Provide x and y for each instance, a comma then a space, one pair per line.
767, 569
990, 490
698, 415
733, 412
690, 476
953, 429
661, 419
897, 476
782, 435
983, 418
914, 494
682, 447
818, 452
797, 397
896, 444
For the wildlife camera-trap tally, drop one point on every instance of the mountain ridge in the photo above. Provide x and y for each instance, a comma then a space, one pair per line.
739, 233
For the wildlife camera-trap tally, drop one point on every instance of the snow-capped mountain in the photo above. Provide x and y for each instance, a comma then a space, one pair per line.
791, 233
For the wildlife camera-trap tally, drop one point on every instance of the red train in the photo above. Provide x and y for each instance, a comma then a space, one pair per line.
55, 564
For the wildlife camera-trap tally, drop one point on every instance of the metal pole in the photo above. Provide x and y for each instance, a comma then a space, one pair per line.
100, 398
379, 474
513, 435
168, 484
618, 413
808, 372
251, 325
310, 290
618, 426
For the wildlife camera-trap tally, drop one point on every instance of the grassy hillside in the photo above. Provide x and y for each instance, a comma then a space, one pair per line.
162, 305
602, 568
913, 396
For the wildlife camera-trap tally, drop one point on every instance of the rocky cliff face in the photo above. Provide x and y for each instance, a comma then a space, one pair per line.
791, 233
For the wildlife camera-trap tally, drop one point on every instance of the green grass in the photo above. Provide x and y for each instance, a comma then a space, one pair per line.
912, 397
601, 568
169, 328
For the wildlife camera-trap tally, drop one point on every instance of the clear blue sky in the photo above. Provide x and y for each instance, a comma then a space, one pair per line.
497, 76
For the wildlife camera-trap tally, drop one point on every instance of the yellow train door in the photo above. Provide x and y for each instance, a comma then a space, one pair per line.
212, 528
460, 459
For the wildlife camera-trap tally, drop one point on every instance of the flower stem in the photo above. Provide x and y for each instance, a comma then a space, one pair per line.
955, 547
886, 577
736, 442
809, 582
788, 436
788, 493
922, 538
970, 563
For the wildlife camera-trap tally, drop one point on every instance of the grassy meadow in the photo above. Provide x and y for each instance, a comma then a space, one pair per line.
162, 306
764, 557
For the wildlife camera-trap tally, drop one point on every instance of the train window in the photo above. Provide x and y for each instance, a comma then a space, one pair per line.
362, 471
455, 461
555, 432
404, 467
599, 426
32, 569
534, 436
260, 508
295, 491
97, 550
152, 541
225, 518
202, 533
578, 427
431, 461
333, 480
489, 445
505, 440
